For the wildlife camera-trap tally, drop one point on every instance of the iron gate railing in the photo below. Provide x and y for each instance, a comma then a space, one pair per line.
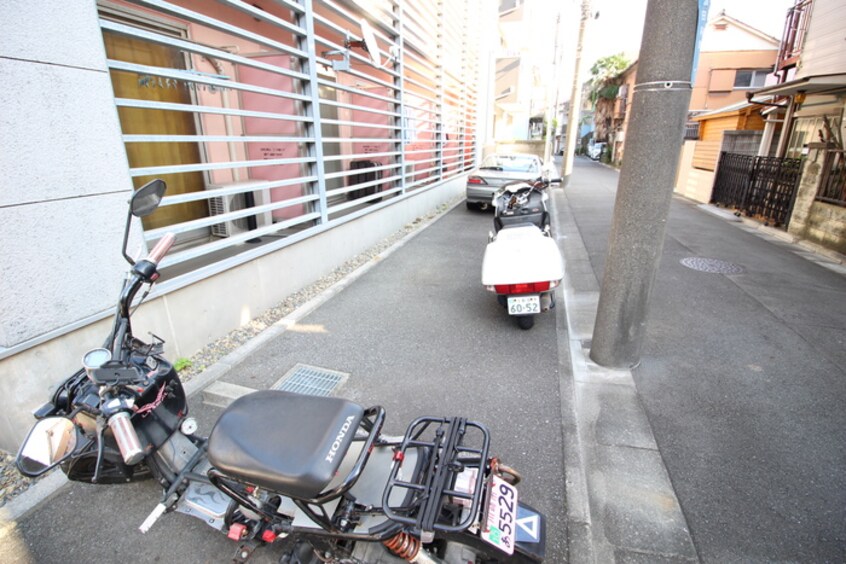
757, 186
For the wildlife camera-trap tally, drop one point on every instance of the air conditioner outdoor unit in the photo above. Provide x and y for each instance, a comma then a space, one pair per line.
219, 205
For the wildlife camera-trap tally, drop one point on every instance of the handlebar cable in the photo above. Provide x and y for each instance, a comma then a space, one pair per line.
101, 430
141, 301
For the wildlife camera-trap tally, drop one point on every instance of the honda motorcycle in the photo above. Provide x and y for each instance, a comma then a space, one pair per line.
315, 475
522, 263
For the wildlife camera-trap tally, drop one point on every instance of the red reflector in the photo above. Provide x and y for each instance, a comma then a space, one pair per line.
476, 180
527, 288
237, 531
399, 456
268, 536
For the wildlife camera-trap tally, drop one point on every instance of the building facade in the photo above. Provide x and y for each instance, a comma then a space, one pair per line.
292, 136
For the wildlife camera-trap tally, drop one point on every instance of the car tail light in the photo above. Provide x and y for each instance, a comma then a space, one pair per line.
527, 288
476, 180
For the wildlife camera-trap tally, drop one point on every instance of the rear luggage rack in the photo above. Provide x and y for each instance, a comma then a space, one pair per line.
450, 446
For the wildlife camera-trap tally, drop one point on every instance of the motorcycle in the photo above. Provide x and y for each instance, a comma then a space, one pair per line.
522, 263
315, 475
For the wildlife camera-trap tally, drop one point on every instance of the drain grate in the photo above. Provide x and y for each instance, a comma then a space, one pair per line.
715, 266
310, 380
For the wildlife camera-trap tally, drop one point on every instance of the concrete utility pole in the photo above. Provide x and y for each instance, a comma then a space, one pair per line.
550, 112
644, 192
575, 100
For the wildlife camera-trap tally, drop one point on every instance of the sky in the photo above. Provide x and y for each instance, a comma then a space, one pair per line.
620, 23
619, 26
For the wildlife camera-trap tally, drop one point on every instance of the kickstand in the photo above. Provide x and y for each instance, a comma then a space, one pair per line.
245, 550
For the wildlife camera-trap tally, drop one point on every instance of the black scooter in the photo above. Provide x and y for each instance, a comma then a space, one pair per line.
314, 474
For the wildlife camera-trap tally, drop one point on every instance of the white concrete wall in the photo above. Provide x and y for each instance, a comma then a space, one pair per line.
65, 177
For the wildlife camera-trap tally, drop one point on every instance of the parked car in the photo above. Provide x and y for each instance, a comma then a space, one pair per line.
595, 150
497, 170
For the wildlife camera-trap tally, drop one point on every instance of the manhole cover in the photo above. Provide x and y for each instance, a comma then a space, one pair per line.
715, 266
310, 380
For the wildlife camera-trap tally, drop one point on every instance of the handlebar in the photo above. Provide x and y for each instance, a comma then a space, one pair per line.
161, 248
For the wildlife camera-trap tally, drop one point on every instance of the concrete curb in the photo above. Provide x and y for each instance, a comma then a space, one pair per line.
610, 450
51, 484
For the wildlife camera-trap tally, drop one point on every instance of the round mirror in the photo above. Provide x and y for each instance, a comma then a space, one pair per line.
50, 441
147, 198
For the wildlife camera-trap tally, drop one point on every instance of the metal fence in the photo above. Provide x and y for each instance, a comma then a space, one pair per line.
764, 187
832, 188
274, 121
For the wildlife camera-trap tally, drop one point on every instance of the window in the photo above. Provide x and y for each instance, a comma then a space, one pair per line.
512, 163
750, 78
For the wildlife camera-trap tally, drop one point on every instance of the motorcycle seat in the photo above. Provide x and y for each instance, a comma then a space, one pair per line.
289, 443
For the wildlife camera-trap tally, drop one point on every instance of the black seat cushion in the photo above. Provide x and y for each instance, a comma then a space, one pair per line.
289, 443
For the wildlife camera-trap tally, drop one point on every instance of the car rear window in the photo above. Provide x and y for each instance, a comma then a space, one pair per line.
511, 163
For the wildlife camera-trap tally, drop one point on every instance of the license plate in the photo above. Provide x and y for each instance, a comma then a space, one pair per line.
523, 305
500, 521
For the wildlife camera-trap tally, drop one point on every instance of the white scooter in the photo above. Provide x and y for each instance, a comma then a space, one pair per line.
522, 263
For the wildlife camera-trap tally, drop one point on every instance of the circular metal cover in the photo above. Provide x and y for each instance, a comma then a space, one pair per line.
715, 266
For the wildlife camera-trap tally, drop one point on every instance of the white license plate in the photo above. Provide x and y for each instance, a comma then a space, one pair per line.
500, 520
523, 305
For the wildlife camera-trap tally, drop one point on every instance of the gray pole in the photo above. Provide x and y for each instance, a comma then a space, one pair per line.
575, 100
644, 192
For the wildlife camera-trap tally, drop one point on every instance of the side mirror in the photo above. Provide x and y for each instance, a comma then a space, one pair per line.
49, 443
146, 199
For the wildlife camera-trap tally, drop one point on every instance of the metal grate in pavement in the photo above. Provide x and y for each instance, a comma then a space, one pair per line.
715, 266
310, 380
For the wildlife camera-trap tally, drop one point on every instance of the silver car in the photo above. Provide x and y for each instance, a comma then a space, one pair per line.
497, 170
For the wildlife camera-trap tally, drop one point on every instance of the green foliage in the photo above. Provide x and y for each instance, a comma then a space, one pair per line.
604, 73
182, 363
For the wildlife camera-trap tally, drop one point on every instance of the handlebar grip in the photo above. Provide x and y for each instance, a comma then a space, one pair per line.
126, 438
161, 248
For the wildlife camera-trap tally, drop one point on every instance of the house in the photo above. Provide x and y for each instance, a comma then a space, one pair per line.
523, 66
621, 113
812, 68
287, 148
734, 58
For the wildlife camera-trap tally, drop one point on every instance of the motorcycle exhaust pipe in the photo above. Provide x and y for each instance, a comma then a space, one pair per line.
126, 437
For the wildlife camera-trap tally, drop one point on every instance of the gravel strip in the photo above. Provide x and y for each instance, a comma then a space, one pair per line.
13, 484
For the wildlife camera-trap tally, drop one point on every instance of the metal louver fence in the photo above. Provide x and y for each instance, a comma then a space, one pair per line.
258, 115
763, 187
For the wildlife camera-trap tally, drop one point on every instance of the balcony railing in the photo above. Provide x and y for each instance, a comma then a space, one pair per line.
795, 26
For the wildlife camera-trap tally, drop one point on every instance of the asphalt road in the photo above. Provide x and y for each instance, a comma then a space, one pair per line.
418, 335
742, 379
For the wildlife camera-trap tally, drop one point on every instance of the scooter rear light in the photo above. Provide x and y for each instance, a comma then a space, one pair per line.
476, 180
526, 288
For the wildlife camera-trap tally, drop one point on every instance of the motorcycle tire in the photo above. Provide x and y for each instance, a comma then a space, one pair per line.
526, 322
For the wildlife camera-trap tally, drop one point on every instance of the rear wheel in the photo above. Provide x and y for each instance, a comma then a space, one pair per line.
526, 321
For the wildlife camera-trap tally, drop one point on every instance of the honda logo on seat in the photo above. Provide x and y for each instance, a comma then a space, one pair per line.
337, 444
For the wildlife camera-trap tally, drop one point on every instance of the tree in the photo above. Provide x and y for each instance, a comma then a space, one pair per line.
604, 73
